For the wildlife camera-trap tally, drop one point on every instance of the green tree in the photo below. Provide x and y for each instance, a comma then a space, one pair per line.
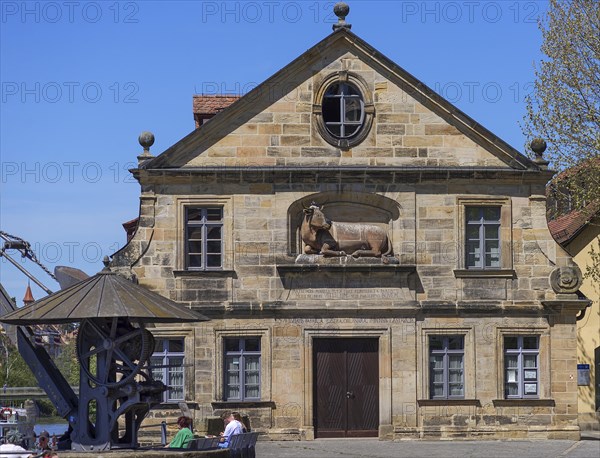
564, 106
67, 362
593, 271
14, 370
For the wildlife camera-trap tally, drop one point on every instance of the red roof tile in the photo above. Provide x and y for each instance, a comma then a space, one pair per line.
564, 228
212, 104
130, 227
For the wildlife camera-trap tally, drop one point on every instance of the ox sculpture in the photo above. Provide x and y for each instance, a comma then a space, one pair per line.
323, 236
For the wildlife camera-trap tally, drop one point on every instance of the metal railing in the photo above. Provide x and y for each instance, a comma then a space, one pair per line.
26, 392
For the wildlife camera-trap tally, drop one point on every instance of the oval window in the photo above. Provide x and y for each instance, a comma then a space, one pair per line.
343, 110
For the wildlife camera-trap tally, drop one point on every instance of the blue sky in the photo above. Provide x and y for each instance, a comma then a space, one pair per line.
80, 81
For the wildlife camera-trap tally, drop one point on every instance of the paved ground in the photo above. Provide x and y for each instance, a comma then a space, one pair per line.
588, 447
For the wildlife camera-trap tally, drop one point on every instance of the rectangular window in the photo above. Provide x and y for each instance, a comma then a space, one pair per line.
167, 366
483, 238
242, 369
446, 361
204, 238
521, 366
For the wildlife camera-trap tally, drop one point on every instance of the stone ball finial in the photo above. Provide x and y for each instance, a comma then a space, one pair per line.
538, 146
146, 139
341, 10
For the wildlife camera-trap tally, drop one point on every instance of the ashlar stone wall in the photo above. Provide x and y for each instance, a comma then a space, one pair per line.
264, 163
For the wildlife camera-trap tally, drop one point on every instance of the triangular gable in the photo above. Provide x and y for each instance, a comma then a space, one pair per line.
248, 106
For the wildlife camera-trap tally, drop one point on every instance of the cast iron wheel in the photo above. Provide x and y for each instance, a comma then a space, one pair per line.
119, 348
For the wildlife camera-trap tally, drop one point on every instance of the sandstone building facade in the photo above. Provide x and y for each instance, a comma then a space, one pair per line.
454, 330
578, 232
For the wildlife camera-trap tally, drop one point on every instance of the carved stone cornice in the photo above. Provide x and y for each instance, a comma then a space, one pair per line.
346, 173
374, 307
567, 306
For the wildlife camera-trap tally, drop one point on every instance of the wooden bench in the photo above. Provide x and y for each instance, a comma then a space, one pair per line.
204, 443
243, 445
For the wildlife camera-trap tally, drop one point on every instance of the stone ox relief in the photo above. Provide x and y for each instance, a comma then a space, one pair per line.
323, 236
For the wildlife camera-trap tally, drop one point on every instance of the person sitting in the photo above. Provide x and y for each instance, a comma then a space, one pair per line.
238, 417
232, 427
184, 435
44, 441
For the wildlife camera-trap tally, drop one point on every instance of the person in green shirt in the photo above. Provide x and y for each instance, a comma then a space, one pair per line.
184, 435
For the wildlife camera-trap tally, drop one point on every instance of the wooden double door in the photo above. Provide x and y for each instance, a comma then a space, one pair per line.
346, 387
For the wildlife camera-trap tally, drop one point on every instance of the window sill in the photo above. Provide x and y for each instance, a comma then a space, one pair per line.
241, 404
523, 402
174, 405
204, 273
485, 273
445, 402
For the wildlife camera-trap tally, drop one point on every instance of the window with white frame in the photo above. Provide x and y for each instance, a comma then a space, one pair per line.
167, 366
482, 237
204, 238
343, 110
446, 360
242, 369
521, 366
